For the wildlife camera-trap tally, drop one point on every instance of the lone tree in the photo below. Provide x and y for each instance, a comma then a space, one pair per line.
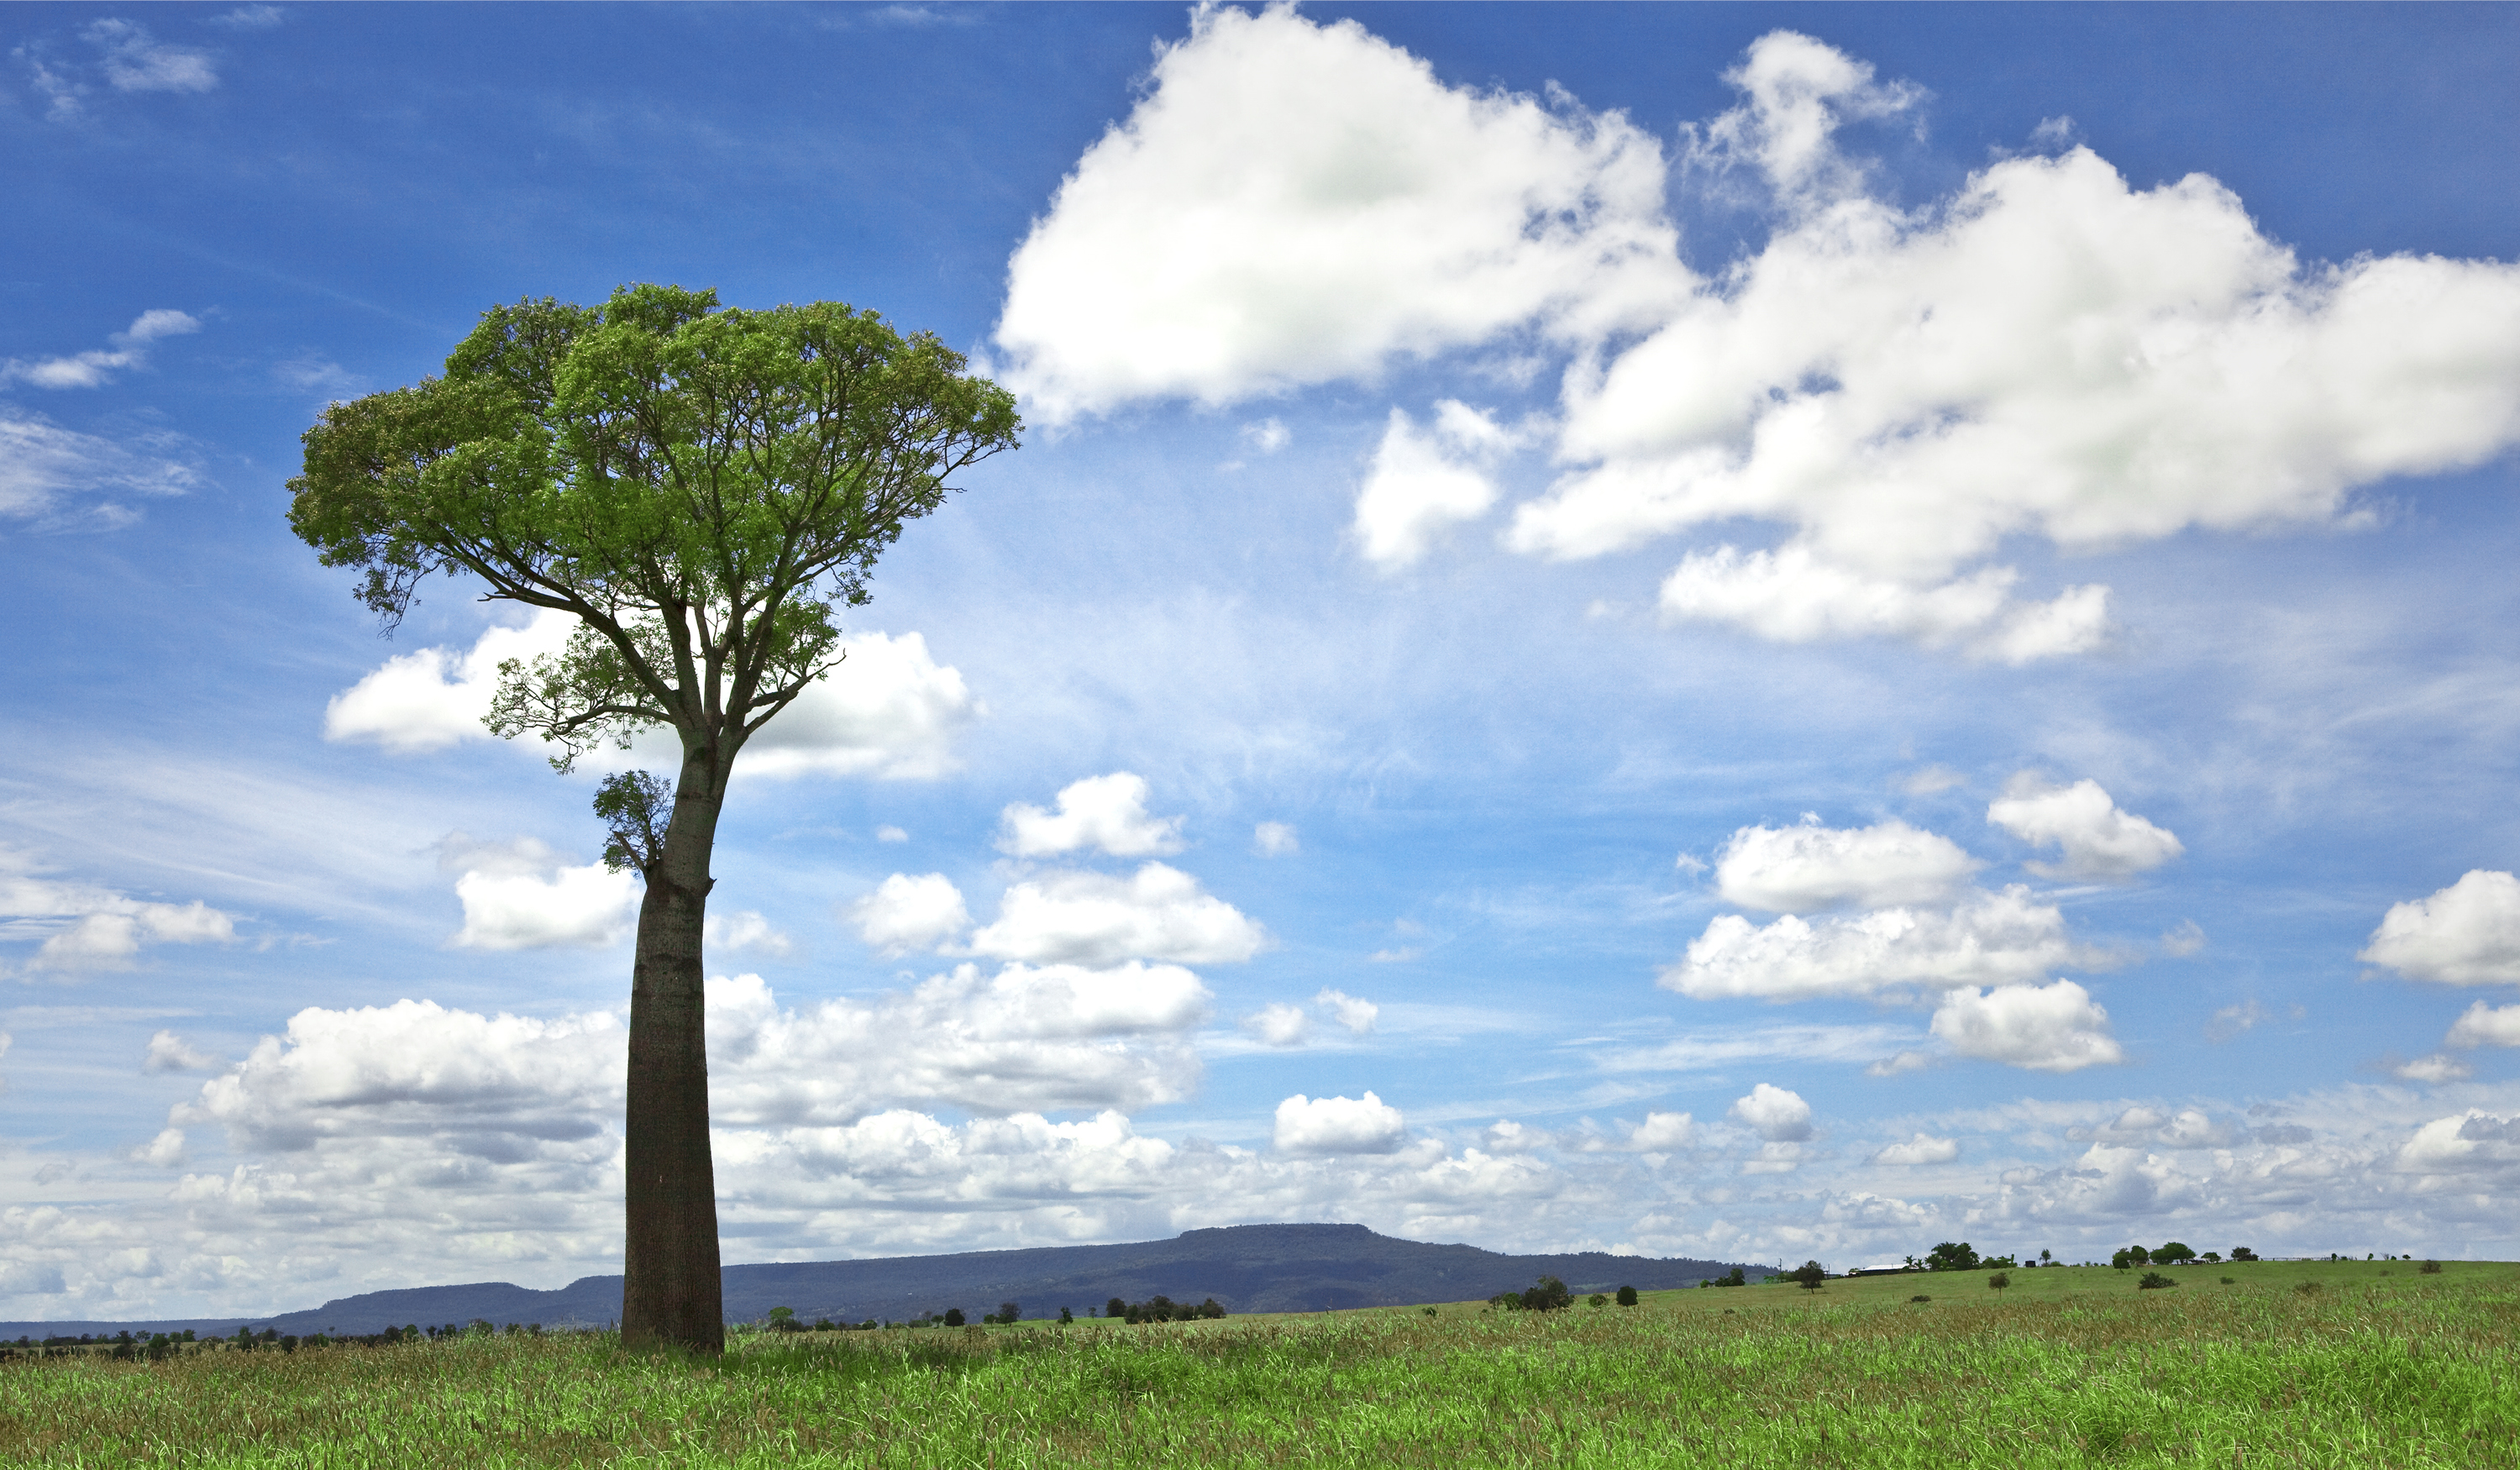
706, 491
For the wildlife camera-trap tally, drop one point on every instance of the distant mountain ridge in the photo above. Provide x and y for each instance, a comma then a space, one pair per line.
1259, 1268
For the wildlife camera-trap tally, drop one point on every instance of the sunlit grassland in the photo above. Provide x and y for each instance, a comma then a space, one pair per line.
2065, 1367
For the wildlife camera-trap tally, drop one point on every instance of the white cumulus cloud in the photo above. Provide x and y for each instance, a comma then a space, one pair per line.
1337, 1124
1279, 1024
2044, 352
1351, 1012
1423, 483
169, 1052
1774, 1114
2056, 1027
2097, 840
1797, 869
520, 896
1661, 1132
1157, 913
2483, 1025
1108, 813
2465, 934
906, 913
1791, 596
1997, 937
1291, 202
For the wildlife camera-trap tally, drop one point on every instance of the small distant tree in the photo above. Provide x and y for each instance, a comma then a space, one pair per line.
2211, 1257
1548, 1294
2043, 1256
1952, 1255
2000, 1281
1065, 1316
2154, 1280
954, 1316
1731, 1278
2173, 1253
1809, 1276
1115, 1307
783, 1318
2243, 1253
1627, 1296
1596, 1299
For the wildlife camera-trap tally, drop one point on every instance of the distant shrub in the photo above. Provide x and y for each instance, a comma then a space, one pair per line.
1809, 1276
1065, 1316
2000, 1281
2243, 1253
1596, 1299
954, 1316
1627, 1296
1431, 1312
2227, 1280
2153, 1280
1920, 1299
2429, 1269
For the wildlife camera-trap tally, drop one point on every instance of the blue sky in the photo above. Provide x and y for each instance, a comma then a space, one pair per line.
1753, 632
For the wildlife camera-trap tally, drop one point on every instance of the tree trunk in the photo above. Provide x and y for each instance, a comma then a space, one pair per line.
670, 1289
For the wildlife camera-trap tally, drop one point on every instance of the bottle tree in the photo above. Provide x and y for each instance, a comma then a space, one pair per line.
706, 491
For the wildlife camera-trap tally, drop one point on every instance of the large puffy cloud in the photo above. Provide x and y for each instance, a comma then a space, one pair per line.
1107, 813
83, 927
1797, 869
2056, 1027
1988, 937
2097, 840
2465, 934
1775, 1114
1339, 1125
520, 896
56, 477
2046, 352
888, 710
1291, 203
503, 1088
1158, 912
1424, 482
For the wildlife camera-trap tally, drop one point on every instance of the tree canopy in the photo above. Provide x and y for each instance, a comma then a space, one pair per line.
704, 489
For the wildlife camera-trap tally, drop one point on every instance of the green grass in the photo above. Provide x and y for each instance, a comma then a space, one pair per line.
2066, 1367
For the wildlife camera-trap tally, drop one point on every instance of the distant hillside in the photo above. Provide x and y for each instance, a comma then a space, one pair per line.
1264, 1268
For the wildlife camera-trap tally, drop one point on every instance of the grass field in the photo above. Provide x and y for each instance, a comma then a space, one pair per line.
2344, 1364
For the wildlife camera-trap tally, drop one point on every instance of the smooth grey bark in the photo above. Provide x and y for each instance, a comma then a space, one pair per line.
671, 1292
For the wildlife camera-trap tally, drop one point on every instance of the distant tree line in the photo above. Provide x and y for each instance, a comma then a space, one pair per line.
1161, 1309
